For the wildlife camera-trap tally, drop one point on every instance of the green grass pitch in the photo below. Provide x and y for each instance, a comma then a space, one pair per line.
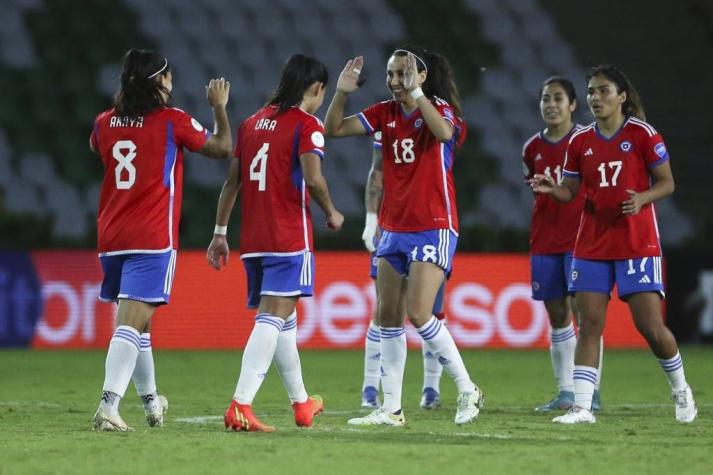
47, 399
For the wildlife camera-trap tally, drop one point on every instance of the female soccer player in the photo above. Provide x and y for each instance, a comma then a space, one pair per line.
141, 141
421, 131
553, 232
623, 165
432, 368
277, 167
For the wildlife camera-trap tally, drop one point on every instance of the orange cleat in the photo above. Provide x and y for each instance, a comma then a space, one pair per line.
240, 417
305, 411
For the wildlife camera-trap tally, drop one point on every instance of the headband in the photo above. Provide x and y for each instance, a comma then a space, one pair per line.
163, 68
417, 57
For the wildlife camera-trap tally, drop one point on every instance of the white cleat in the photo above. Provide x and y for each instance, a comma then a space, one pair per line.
154, 415
379, 417
104, 422
576, 415
686, 410
469, 405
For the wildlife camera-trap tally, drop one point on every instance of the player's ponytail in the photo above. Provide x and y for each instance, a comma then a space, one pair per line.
439, 75
140, 90
633, 105
299, 73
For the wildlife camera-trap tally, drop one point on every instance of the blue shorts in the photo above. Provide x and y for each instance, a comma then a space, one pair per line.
631, 276
281, 276
436, 246
143, 277
550, 275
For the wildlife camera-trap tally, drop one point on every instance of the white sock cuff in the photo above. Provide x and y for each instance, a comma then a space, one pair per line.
430, 329
290, 322
145, 342
388, 333
585, 373
128, 335
559, 335
672, 364
373, 333
267, 319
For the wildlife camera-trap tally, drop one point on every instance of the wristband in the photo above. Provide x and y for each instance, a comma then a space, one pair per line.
416, 93
220, 230
371, 219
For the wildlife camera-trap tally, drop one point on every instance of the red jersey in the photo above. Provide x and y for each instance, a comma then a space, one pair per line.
606, 169
554, 224
419, 194
140, 200
275, 218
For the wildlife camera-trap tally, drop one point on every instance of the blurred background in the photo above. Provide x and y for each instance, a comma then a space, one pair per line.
60, 62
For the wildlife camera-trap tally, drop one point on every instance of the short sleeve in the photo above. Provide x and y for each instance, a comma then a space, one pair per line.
655, 152
311, 137
377, 140
189, 133
445, 110
371, 117
94, 136
571, 159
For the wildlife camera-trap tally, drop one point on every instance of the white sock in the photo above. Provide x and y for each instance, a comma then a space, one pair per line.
601, 364
563, 343
119, 366
584, 379
674, 372
144, 376
257, 356
287, 360
393, 362
432, 369
372, 357
440, 343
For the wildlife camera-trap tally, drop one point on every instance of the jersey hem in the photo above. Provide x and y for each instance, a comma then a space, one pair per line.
277, 254
137, 251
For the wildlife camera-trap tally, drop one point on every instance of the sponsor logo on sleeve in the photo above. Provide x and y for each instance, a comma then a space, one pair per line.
318, 139
196, 125
377, 135
660, 149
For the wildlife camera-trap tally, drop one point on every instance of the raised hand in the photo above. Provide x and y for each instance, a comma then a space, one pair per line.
349, 77
411, 73
217, 92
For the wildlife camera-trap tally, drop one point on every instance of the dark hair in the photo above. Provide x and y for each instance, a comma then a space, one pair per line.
565, 83
298, 74
140, 91
632, 105
439, 80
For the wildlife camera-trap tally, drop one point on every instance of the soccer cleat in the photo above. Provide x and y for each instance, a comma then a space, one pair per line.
104, 422
370, 398
155, 411
563, 401
576, 415
430, 399
380, 417
305, 411
240, 417
596, 401
686, 410
468, 406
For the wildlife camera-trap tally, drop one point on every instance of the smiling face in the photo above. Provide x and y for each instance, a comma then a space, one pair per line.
555, 106
395, 70
603, 98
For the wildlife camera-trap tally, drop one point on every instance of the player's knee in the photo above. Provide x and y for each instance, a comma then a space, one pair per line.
591, 325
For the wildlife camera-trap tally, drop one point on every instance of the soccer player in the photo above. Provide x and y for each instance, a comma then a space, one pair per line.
141, 141
276, 168
432, 368
623, 165
552, 234
421, 130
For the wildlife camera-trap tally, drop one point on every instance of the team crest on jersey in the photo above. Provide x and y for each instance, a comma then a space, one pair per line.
318, 139
196, 125
418, 123
625, 146
660, 149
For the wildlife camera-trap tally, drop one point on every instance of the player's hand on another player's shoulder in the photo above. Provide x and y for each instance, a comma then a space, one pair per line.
349, 77
217, 92
335, 219
541, 183
218, 252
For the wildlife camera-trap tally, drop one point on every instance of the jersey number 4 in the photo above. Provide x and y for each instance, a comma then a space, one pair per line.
258, 167
124, 152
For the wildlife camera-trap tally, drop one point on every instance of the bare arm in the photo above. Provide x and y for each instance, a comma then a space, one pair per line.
563, 193
317, 185
372, 198
335, 124
218, 249
663, 186
220, 144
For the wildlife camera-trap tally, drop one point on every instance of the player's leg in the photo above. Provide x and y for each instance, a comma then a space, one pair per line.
144, 378
641, 285
391, 285
372, 352
432, 368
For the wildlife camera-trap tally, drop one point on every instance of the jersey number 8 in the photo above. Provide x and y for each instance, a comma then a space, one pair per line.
124, 152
